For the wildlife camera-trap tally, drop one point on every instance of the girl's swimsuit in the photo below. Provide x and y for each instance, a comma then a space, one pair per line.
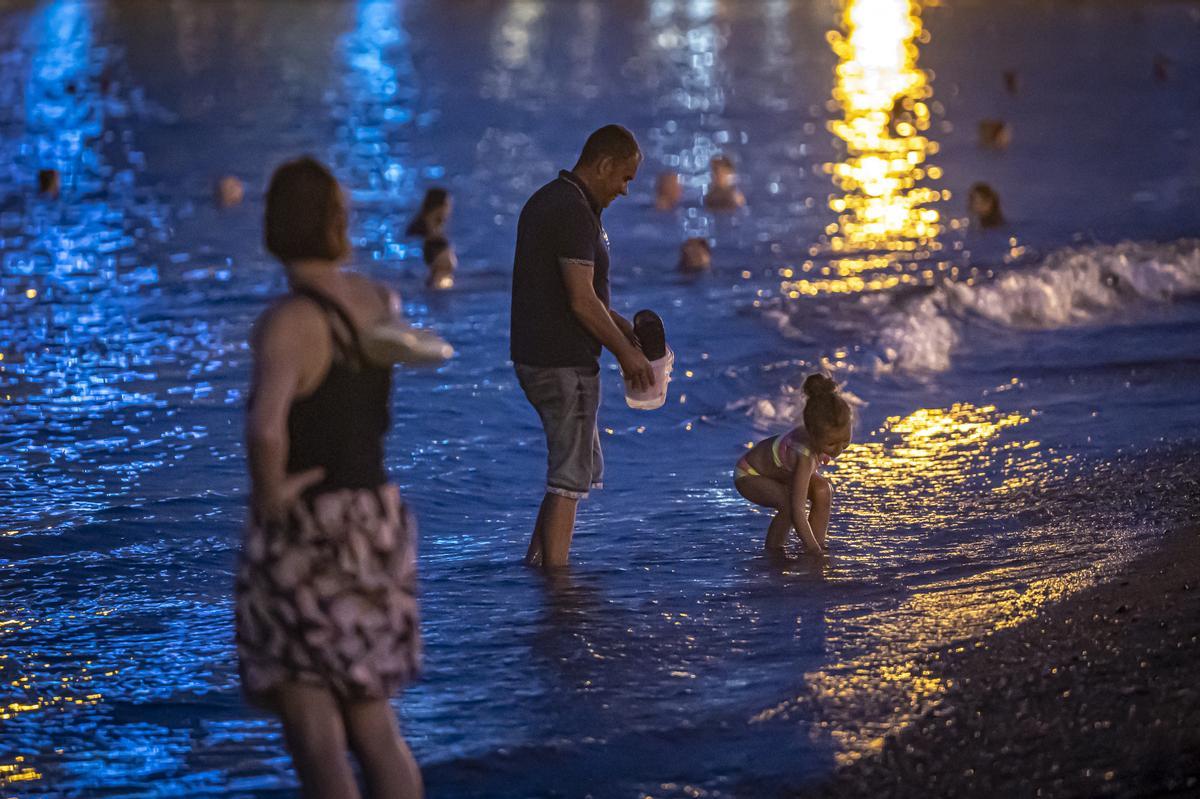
781, 446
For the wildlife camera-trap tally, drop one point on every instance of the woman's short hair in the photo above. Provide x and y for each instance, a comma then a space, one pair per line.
306, 213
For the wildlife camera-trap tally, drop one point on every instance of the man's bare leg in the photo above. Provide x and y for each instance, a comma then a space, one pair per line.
552, 532
533, 555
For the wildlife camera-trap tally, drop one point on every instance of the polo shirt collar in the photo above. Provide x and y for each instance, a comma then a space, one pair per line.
573, 179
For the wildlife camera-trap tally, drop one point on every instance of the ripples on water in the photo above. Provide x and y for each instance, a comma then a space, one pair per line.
1014, 385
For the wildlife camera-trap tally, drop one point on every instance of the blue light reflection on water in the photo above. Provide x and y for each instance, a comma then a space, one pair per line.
70, 282
59, 121
121, 440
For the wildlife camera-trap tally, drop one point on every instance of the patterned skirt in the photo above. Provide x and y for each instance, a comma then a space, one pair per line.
329, 597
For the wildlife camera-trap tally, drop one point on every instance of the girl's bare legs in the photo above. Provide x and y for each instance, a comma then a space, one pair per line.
387, 763
770, 494
777, 531
316, 738
820, 497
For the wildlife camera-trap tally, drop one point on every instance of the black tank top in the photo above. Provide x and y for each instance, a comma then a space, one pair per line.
341, 424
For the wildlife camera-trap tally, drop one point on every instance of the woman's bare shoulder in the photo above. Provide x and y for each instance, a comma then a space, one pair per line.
290, 317
374, 298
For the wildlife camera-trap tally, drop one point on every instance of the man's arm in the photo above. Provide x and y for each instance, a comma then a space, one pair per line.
625, 326
598, 321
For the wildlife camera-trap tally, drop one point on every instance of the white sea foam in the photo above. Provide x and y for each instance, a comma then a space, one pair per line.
786, 409
1074, 286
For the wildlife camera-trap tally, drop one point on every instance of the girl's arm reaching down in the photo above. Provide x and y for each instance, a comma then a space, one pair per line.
800, 479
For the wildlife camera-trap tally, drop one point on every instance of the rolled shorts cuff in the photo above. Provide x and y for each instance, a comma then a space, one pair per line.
565, 492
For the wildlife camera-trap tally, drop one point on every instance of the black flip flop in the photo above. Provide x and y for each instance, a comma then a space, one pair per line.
648, 327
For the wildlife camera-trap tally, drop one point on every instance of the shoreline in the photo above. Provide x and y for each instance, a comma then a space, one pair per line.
1095, 696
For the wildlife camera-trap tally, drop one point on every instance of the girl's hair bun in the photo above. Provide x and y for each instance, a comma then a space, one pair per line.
825, 409
817, 384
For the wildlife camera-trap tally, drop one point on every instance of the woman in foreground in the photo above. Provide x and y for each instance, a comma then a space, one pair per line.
327, 623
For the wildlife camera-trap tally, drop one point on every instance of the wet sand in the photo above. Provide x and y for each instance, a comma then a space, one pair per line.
1098, 696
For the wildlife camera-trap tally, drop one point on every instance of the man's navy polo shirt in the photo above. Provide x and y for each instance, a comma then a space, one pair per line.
559, 228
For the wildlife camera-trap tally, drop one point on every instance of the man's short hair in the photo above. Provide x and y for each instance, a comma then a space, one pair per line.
610, 141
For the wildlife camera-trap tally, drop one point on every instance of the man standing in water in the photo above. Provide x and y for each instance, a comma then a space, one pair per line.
560, 319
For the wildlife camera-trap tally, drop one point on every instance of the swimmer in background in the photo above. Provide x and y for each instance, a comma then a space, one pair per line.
723, 194
695, 255
995, 134
984, 204
668, 191
780, 472
228, 192
49, 183
430, 225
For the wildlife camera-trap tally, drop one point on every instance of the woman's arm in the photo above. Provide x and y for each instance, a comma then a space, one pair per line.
800, 479
392, 302
281, 342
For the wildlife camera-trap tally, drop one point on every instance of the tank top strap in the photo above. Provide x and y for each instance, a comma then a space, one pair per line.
352, 349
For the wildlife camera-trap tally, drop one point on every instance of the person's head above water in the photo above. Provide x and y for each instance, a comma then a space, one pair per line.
608, 162
723, 193
695, 255
305, 218
668, 191
827, 416
984, 203
724, 173
437, 201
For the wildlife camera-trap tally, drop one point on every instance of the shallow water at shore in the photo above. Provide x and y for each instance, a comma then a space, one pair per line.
674, 660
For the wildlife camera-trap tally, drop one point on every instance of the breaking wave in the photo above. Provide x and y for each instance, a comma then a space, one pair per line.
1073, 286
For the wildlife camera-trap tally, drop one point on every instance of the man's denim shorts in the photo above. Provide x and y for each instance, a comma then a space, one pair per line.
567, 398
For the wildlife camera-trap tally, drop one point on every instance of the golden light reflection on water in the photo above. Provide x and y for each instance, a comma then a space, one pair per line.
17, 771
32, 687
931, 455
863, 700
884, 221
933, 458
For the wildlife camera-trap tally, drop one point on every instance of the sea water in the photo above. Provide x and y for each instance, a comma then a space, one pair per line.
1026, 395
